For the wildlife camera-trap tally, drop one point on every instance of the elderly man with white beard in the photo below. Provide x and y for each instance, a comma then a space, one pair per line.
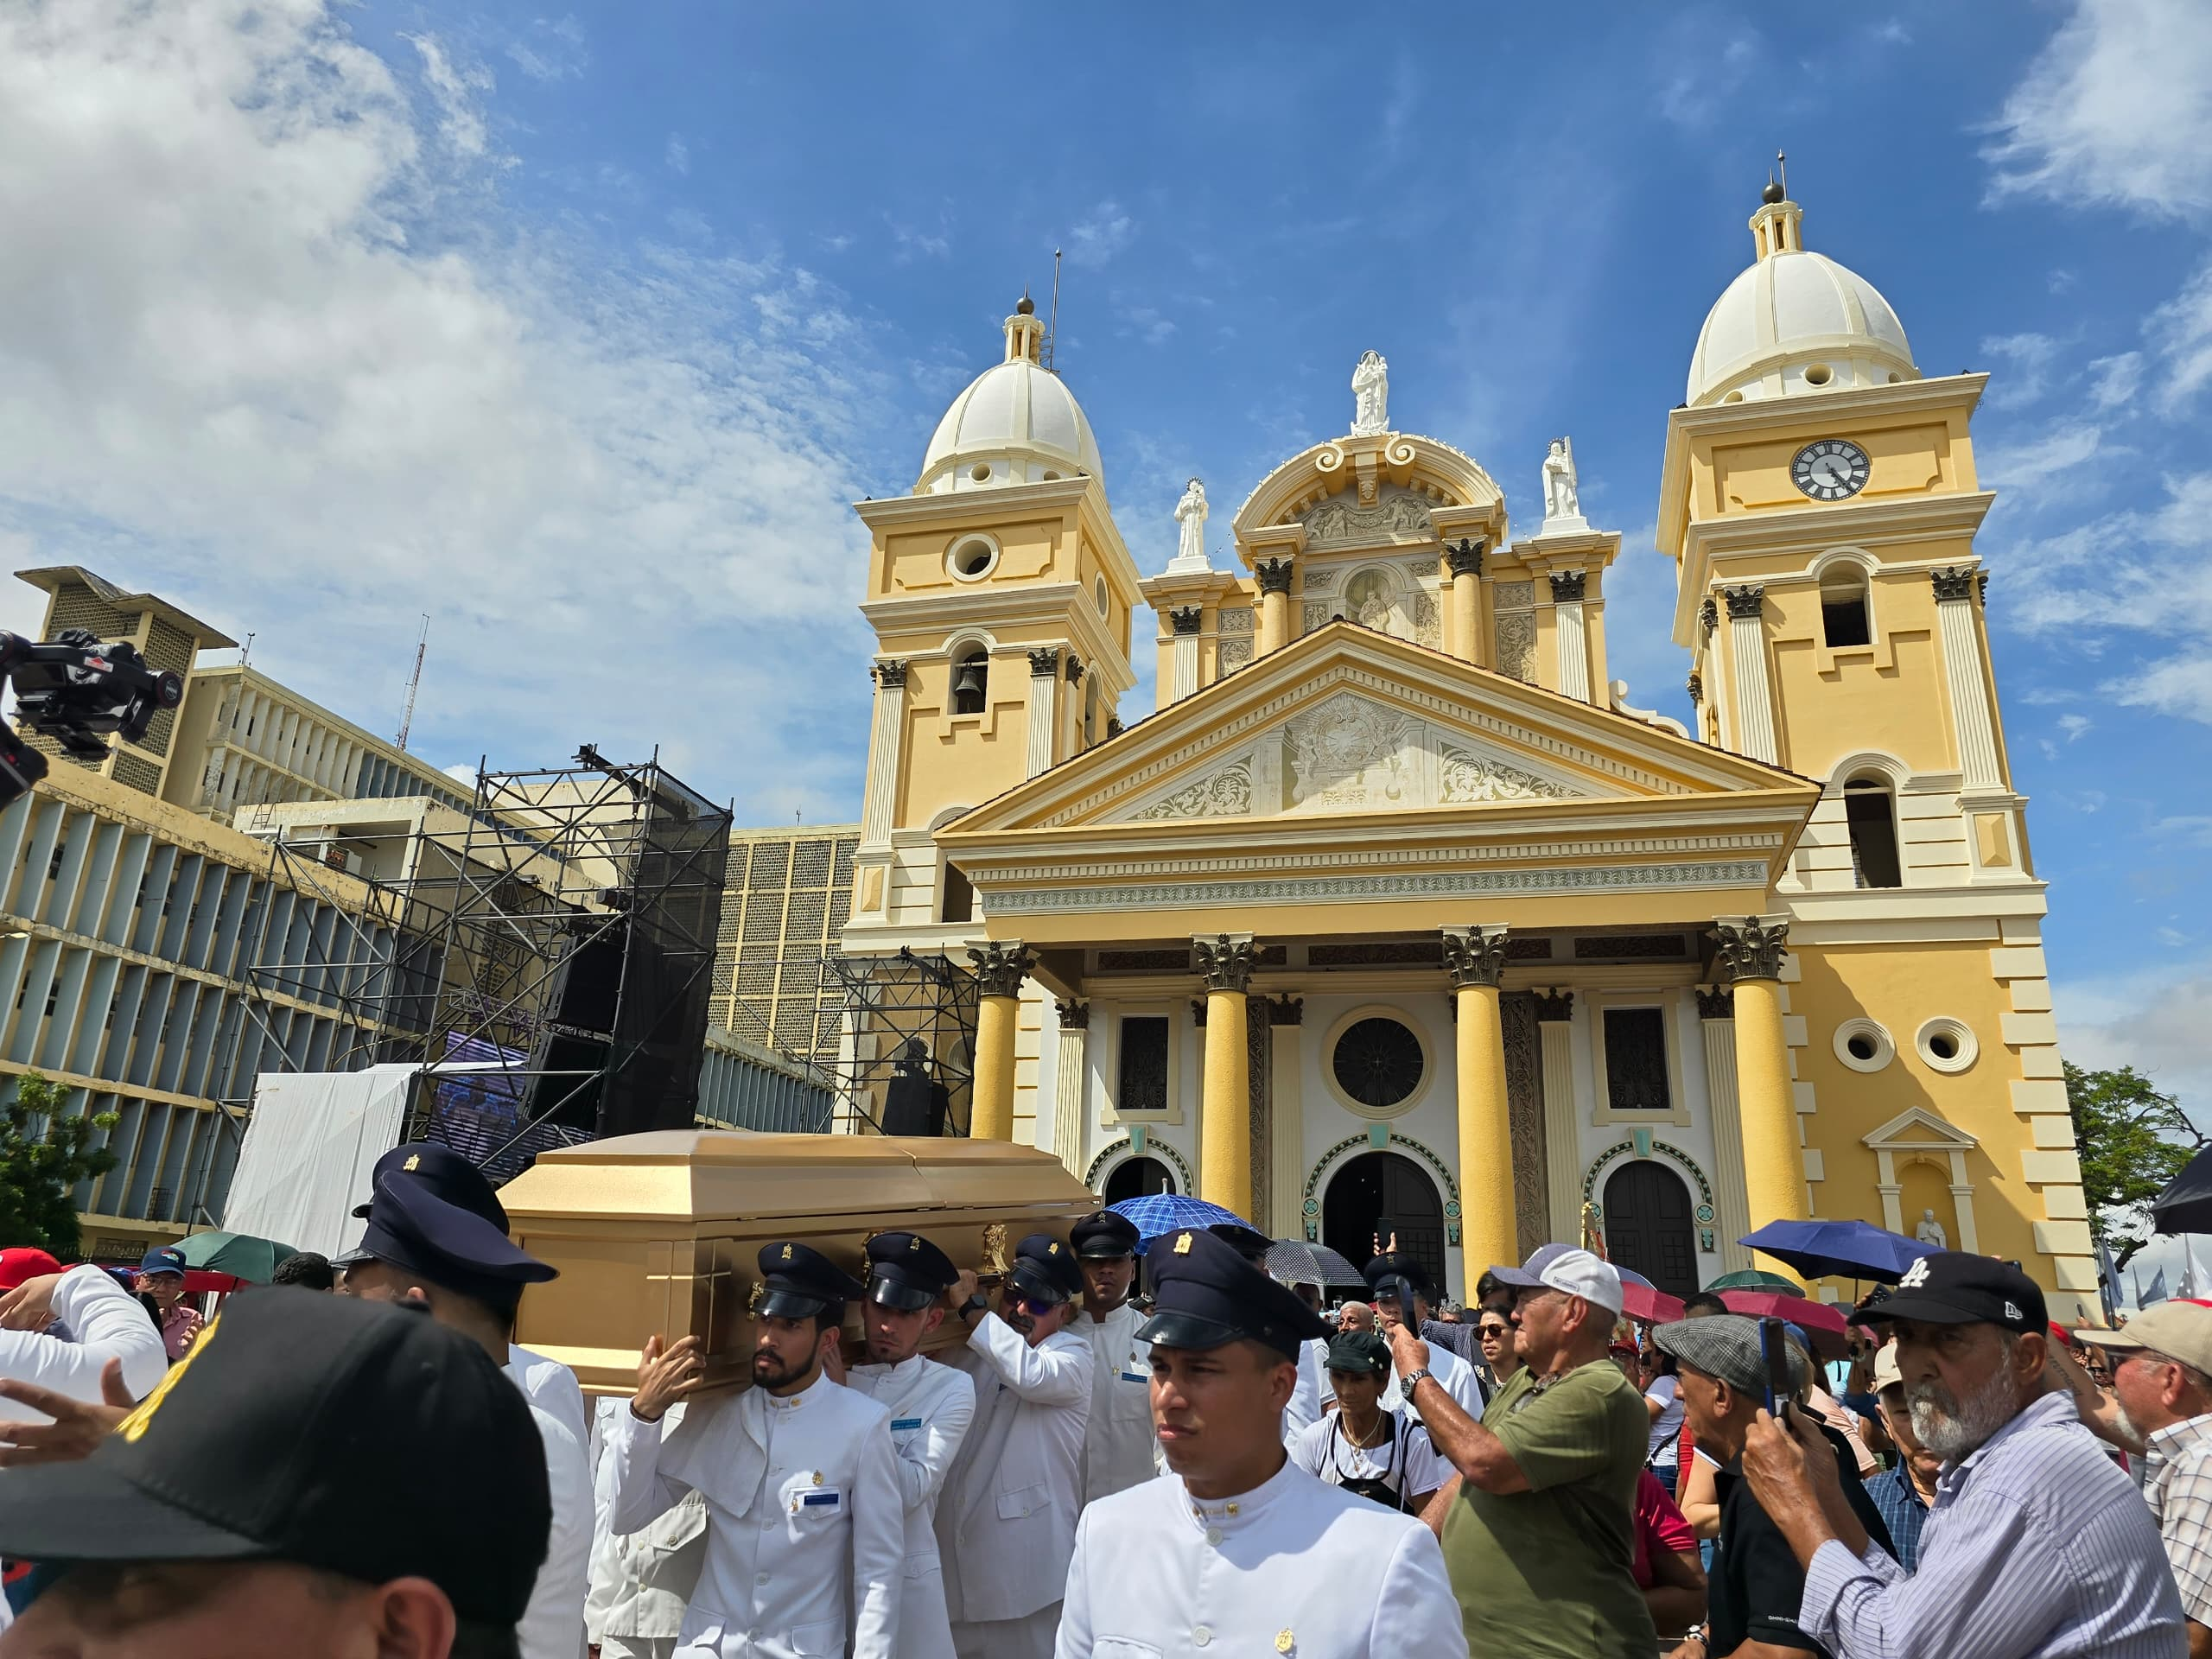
2036, 1546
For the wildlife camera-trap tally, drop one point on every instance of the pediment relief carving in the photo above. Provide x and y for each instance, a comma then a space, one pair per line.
1397, 514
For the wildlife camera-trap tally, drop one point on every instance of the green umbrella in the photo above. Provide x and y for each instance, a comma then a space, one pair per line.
241, 1255
1752, 1279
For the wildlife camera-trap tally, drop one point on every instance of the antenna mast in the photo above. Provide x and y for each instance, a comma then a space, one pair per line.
1782, 161
422, 645
1051, 323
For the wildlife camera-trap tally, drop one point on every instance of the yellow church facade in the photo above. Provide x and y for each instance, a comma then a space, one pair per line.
1395, 911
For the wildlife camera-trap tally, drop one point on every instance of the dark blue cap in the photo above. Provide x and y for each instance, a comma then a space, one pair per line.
1105, 1236
1382, 1273
1359, 1352
446, 1172
1207, 1294
411, 1227
166, 1258
1248, 1241
1045, 1269
801, 1282
907, 1271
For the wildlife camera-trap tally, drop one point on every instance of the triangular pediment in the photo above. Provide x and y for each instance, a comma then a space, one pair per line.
1348, 722
1919, 1129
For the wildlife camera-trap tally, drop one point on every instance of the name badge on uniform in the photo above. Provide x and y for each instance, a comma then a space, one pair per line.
901, 1425
819, 1500
1135, 1376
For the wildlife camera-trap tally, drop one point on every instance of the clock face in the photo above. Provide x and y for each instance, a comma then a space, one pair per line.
1830, 469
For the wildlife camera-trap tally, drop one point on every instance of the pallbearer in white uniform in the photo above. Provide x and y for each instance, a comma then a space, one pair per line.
805, 1526
1117, 1443
1237, 1550
1006, 1521
931, 1407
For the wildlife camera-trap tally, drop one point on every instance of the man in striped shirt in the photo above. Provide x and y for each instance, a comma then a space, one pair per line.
2036, 1547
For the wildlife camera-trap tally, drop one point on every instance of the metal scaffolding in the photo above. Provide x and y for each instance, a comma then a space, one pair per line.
893, 1003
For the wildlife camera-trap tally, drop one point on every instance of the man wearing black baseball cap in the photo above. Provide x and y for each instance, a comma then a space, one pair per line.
318, 1477
429, 1241
805, 1523
2037, 1546
1239, 1546
1117, 1443
931, 1407
1006, 1524
1392, 1279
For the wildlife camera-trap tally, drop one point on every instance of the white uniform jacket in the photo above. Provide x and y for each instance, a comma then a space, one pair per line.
1291, 1567
1006, 1521
553, 1387
1310, 1400
641, 1582
804, 1525
1452, 1374
104, 1321
1118, 1444
552, 1626
931, 1407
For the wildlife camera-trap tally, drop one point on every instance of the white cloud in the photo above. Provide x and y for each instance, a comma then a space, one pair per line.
456, 88
2037, 467
2153, 1020
677, 155
266, 350
2113, 380
555, 51
2074, 726
1097, 239
2030, 354
2181, 329
2116, 110
1695, 83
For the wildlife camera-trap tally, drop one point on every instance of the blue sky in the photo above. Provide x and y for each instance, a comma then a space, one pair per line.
579, 330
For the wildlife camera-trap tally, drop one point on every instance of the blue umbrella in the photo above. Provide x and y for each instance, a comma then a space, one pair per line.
1848, 1249
1166, 1212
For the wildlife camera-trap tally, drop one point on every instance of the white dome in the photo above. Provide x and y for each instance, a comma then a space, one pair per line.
1016, 424
1797, 322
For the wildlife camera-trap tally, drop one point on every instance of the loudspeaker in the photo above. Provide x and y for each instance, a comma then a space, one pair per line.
913, 1105
587, 985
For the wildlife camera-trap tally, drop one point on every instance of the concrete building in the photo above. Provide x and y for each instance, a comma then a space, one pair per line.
788, 894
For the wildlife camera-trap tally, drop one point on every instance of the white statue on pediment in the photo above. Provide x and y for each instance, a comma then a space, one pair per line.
1562, 490
1191, 514
1370, 391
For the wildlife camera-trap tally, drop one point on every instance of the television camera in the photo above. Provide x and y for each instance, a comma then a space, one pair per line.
76, 689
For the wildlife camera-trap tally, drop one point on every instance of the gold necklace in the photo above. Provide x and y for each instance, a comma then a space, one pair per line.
1373, 1437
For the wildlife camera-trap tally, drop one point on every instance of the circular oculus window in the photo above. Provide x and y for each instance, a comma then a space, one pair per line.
1378, 1062
1864, 1045
972, 559
1946, 1044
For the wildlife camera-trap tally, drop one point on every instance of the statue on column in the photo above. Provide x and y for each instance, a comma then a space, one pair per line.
1930, 1232
1191, 514
1370, 391
1563, 492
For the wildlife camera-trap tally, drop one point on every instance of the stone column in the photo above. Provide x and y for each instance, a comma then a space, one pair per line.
1185, 620
1465, 561
887, 737
1716, 1013
1475, 958
1286, 1110
1754, 732
1069, 1074
1000, 966
1044, 706
1275, 603
1224, 1116
1562, 1138
1774, 1163
1567, 636
1695, 686
1969, 686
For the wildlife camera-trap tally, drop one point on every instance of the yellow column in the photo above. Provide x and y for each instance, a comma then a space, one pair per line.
1474, 956
1274, 606
1225, 1116
1751, 953
999, 967
1465, 563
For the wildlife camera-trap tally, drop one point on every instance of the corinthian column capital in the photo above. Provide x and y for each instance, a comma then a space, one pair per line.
1750, 947
1474, 956
1224, 960
1000, 966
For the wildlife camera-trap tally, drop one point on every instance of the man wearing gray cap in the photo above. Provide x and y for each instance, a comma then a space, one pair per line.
1539, 1538
1756, 1583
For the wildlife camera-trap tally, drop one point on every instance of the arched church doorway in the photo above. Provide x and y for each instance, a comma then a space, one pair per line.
1648, 1226
1385, 1188
1137, 1178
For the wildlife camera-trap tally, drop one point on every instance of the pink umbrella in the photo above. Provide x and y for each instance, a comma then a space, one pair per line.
1649, 1304
1826, 1325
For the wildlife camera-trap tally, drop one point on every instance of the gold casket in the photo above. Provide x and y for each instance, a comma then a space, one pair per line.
659, 1233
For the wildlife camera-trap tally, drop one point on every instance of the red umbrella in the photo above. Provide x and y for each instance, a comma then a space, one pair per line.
1649, 1304
1826, 1325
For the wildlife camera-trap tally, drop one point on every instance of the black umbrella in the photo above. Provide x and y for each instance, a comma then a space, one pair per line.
2185, 1205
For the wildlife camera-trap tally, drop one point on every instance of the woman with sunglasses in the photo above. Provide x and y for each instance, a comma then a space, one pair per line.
1494, 1334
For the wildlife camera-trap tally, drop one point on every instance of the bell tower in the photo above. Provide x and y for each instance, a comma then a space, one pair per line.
1000, 592
1819, 501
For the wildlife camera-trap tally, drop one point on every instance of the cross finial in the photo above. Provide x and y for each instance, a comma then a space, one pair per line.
1782, 161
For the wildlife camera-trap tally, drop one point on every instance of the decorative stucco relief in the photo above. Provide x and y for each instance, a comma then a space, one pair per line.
1462, 776
1517, 644
1226, 793
1340, 522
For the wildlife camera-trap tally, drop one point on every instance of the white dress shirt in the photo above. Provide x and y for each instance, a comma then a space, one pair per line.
1406, 1462
552, 1627
101, 1321
1291, 1567
1005, 1522
1453, 1374
1118, 1445
931, 1407
1309, 1400
805, 1528
641, 1582
553, 1387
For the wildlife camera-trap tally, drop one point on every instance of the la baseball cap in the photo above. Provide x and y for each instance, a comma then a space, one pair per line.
1564, 1268
2180, 1331
1957, 1287
357, 1437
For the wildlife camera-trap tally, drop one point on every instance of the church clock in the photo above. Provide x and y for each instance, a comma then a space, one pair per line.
1830, 469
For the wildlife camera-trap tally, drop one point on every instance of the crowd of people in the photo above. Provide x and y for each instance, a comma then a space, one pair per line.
1220, 1464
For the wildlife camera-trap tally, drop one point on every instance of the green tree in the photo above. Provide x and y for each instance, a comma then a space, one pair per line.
44, 1153
2131, 1140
